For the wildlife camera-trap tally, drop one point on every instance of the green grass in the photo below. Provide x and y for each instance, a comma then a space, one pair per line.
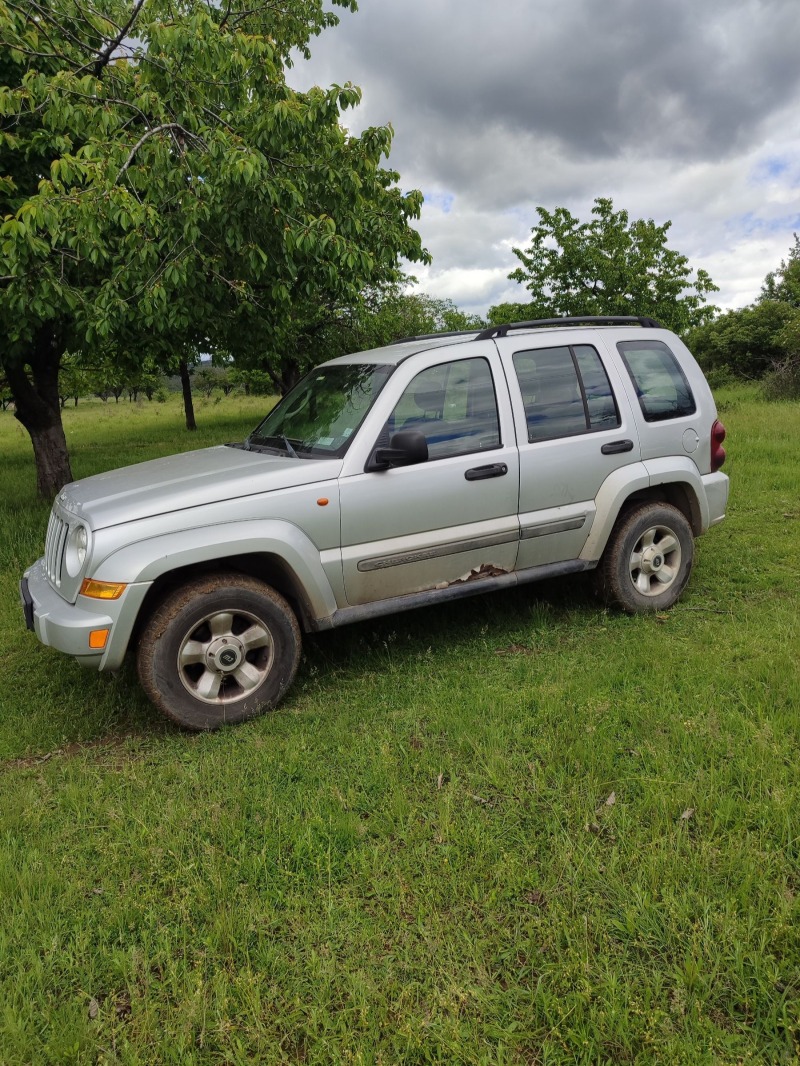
416, 858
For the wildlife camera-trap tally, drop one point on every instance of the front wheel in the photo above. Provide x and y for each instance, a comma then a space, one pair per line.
222, 648
648, 559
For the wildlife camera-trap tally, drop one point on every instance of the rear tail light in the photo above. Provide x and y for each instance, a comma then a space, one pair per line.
717, 451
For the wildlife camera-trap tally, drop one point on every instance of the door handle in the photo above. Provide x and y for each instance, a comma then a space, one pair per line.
480, 473
617, 446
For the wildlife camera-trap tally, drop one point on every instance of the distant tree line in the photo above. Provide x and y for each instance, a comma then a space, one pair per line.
760, 342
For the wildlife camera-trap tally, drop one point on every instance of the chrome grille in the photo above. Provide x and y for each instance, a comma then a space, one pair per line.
57, 530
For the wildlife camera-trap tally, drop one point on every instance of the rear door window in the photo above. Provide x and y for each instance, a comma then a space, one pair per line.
565, 391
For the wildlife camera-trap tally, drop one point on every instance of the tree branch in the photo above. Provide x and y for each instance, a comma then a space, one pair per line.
115, 42
151, 133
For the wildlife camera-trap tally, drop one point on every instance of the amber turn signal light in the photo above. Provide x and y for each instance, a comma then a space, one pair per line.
102, 590
98, 638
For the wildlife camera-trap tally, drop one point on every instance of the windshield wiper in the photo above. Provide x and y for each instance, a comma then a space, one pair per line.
289, 447
269, 444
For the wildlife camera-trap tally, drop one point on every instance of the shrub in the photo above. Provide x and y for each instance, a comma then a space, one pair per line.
782, 382
720, 376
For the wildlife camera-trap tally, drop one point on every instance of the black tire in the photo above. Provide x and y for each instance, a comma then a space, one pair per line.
647, 560
220, 649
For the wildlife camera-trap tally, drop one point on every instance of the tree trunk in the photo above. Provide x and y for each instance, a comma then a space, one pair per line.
286, 375
53, 470
37, 407
186, 385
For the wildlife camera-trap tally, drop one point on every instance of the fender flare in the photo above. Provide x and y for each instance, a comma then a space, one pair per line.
622, 483
144, 561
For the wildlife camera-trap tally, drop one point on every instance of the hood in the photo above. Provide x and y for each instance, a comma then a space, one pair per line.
190, 479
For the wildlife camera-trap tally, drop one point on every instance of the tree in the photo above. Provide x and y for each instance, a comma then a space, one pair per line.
608, 266
148, 380
163, 188
391, 312
399, 313
252, 382
783, 284
206, 380
514, 312
746, 341
749, 342
379, 315
73, 381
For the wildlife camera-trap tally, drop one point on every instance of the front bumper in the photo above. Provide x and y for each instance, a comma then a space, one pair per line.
66, 626
27, 604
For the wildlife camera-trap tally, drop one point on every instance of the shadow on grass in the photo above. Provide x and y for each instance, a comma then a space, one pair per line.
63, 708
497, 617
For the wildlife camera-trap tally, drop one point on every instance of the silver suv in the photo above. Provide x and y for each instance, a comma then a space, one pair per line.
428, 470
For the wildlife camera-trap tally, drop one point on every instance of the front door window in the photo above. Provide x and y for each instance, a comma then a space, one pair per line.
453, 405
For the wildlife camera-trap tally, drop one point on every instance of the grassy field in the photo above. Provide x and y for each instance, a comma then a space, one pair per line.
517, 829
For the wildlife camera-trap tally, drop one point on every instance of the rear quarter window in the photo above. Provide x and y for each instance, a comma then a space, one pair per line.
661, 386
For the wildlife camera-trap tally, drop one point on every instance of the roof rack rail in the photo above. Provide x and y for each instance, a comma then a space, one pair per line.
433, 336
567, 320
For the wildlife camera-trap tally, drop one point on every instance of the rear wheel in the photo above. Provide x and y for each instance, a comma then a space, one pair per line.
648, 559
223, 648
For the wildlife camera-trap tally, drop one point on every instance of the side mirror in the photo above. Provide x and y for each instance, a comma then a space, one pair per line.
406, 448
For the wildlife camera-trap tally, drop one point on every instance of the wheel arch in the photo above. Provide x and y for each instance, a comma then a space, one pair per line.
276, 553
627, 487
267, 567
678, 493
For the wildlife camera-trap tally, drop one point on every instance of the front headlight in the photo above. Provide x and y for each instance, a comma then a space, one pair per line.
77, 549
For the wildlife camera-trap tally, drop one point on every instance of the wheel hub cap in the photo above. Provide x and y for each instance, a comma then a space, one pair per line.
224, 654
655, 561
652, 560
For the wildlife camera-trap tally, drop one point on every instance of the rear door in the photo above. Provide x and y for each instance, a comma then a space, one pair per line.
575, 427
453, 517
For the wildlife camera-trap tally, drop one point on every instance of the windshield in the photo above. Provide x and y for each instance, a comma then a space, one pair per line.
319, 416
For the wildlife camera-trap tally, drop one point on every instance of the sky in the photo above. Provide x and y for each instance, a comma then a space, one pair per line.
679, 110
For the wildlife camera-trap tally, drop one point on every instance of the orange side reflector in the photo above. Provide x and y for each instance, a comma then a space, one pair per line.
98, 638
323, 501
102, 590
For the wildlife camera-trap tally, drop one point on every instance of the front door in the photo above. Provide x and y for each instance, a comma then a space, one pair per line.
454, 517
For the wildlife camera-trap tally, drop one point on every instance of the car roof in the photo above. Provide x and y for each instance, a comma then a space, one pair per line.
392, 354
395, 353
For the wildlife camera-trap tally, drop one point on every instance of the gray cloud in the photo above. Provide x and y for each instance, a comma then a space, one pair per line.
678, 110
595, 77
